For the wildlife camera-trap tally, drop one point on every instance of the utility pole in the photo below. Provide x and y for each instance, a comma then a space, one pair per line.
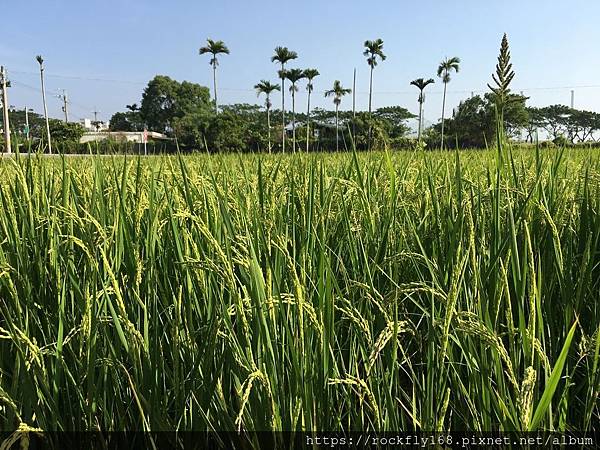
5, 111
65, 100
40, 61
96, 124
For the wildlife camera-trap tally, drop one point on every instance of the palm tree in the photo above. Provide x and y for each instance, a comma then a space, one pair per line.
337, 92
421, 84
282, 56
40, 61
309, 74
293, 75
446, 66
266, 87
214, 48
373, 49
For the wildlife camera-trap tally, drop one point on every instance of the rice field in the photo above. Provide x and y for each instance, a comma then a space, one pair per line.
380, 291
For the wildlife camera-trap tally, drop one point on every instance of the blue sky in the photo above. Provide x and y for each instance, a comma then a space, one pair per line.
103, 52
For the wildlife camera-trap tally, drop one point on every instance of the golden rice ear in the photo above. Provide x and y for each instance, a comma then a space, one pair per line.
525, 401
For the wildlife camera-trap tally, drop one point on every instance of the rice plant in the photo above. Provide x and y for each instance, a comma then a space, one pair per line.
406, 291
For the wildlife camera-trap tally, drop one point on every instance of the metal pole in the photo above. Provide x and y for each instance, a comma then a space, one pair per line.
5, 111
96, 124
27, 122
41, 62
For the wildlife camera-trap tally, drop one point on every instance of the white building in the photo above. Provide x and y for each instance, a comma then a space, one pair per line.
121, 136
91, 125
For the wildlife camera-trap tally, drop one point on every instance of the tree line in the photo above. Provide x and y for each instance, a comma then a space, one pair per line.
187, 113
184, 111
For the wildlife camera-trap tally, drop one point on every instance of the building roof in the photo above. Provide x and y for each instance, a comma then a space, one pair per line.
124, 136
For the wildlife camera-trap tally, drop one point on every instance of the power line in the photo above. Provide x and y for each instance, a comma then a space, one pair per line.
89, 109
57, 94
466, 91
74, 77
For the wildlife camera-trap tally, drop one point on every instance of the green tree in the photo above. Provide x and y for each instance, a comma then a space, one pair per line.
586, 123
127, 121
36, 123
293, 75
393, 119
534, 122
444, 69
214, 48
474, 122
66, 134
266, 87
421, 84
555, 120
337, 92
310, 75
191, 129
572, 124
238, 128
165, 100
282, 56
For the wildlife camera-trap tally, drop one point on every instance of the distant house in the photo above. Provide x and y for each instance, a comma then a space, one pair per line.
315, 125
92, 125
122, 136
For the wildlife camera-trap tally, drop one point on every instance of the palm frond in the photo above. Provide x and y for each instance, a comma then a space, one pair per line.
374, 49
294, 75
446, 66
311, 73
338, 91
422, 83
214, 47
283, 55
266, 87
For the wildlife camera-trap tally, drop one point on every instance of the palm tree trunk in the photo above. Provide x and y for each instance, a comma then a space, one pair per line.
337, 129
370, 98
293, 118
308, 123
443, 110
420, 116
354, 109
215, 87
46, 111
370, 90
268, 125
282, 110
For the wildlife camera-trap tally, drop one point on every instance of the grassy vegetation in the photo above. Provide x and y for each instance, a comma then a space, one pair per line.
405, 291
